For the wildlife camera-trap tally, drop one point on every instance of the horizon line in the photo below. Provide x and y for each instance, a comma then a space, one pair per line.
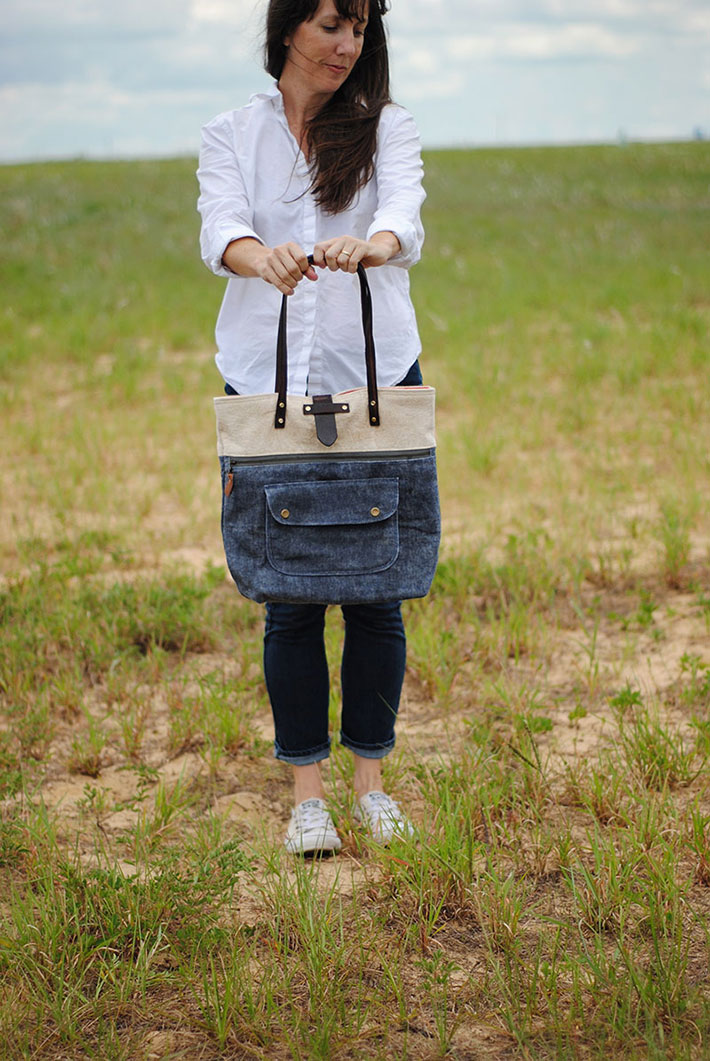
622, 139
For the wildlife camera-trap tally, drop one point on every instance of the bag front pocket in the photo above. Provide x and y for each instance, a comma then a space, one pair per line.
338, 527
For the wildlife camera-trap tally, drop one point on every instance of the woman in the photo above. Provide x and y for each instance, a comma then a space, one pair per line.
323, 163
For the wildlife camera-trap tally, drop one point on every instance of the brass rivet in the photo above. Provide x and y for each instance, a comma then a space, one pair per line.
308, 408
344, 408
281, 419
282, 405
285, 513
373, 419
372, 403
374, 511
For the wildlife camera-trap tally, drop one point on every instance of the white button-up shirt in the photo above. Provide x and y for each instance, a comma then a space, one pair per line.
254, 182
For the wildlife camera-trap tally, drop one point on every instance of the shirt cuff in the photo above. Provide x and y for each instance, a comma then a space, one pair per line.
405, 232
222, 238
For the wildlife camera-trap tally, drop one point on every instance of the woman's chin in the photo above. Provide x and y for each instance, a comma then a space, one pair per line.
335, 77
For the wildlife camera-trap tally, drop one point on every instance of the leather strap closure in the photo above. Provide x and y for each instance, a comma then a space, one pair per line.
373, 406
325, 410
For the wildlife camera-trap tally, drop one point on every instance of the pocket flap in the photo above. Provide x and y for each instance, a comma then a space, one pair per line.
333, 503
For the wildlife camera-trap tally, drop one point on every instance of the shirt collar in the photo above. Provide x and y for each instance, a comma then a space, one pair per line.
272, 94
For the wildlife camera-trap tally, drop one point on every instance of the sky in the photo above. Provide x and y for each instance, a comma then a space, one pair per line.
138, 78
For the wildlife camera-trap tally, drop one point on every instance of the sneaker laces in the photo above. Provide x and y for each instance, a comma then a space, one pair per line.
382, 816
311, 814
382, 800
378, 806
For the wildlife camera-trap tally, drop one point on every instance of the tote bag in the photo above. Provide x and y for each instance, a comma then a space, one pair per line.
330, 499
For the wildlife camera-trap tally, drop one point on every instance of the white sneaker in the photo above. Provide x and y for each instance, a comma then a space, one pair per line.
382, 817
311, 829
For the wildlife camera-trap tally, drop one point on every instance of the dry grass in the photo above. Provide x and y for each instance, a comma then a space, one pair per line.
555, 729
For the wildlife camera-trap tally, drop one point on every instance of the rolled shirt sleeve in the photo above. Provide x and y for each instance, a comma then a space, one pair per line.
399, 170
223, 202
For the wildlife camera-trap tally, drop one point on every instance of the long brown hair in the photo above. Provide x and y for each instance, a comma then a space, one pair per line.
342, 136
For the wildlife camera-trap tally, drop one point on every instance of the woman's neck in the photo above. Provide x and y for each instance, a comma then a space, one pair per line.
300, 105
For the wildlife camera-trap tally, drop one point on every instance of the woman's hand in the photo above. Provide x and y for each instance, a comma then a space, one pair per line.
283, 266
347, 252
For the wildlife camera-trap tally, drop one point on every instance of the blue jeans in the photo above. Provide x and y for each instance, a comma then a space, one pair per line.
296, 671
372, 672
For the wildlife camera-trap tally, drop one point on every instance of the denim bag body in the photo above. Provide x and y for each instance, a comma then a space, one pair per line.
330, 499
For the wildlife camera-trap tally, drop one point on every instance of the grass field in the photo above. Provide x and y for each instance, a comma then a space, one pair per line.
555, 730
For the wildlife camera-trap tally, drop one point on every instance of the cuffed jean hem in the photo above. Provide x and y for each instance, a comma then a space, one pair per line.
311, 755
367, 751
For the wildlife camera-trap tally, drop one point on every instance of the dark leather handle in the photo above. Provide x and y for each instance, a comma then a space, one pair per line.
373, 405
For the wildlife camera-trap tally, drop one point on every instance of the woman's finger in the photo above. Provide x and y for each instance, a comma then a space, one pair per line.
358, 253
346, 253
335, 255
277, 274
285, 267
343, 253
288, 263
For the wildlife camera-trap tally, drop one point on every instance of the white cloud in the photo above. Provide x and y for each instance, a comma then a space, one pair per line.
105, 76
474, 16
422, 60
443, 87
543, 42
88, 17
241, 13
100, 120
602, 9
697, 22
